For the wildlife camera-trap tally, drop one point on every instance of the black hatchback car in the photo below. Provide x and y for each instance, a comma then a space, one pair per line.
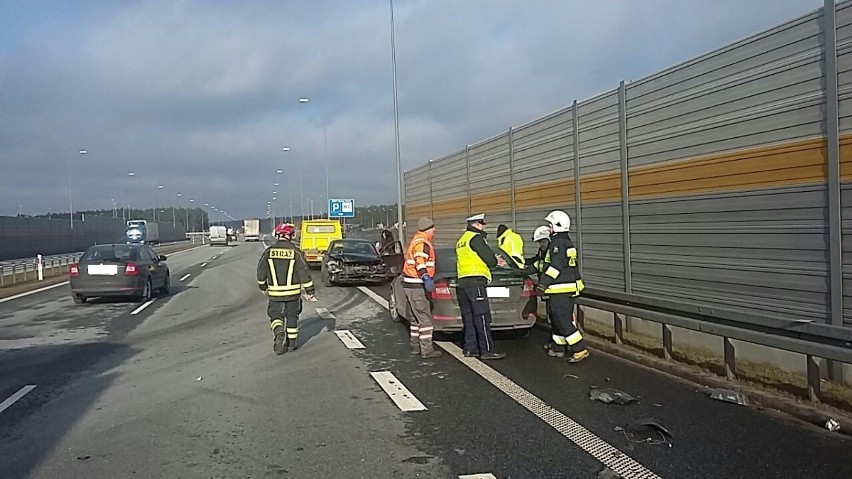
357, 261
133, 270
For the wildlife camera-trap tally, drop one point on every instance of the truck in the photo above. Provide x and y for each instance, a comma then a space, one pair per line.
218, 235
142, 232
315, 237
251, 229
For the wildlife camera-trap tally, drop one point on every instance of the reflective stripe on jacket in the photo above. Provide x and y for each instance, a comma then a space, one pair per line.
419, 259
282, 272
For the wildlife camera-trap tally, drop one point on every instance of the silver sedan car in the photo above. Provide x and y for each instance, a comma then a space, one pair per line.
132, 270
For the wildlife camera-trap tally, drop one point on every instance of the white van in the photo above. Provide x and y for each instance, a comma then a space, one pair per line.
218, 236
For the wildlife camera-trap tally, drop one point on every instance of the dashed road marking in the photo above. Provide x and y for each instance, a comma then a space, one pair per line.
611, 457
10, 298
14, 397
349, 339
324, 313
372, 294
398, 393
478, 476
203, 265
187, 275
141, 308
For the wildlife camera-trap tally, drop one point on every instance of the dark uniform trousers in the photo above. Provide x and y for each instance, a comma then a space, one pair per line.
560, 310
280, 311
476, 318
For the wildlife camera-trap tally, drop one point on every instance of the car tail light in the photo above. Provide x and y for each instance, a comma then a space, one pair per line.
529, 288
131, 269
442, 292
74, 270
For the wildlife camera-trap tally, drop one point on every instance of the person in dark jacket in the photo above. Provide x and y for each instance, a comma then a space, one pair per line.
385, 242
474, 261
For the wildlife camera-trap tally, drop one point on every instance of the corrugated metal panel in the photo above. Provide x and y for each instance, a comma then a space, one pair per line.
763, 251
489, 165
531, 219
846, 209
544, 150
763, 90
603, 252
450, 173
417, 186
598, 125
843, 21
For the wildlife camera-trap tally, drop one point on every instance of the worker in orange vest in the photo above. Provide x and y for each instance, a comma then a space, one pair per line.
417, 281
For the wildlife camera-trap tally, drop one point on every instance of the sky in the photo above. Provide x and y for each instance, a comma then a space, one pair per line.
200, 96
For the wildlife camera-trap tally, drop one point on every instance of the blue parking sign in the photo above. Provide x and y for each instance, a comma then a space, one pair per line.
341, 208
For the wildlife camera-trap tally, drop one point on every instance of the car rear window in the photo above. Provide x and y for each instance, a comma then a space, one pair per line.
321, 229
111, 253
445, 263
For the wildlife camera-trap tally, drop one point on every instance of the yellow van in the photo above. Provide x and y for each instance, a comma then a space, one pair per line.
315, 237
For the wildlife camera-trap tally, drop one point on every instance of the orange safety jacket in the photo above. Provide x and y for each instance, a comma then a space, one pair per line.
419, 259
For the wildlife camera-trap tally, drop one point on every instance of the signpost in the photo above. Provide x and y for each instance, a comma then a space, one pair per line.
338, 208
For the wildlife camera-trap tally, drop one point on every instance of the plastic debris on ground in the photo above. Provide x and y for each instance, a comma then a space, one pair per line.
832, 425
649, 430
608, 473
572, 376
727, 395
609, 395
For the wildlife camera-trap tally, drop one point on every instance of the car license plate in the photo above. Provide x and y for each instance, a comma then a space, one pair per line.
498, 292
102, 269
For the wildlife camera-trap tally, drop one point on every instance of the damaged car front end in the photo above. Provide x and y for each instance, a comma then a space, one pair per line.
357, 261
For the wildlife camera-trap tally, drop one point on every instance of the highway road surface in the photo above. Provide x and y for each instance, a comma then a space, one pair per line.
188, 386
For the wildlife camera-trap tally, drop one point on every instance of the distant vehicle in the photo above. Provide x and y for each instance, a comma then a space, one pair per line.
511, 296
142, 232
357, 261
251, 229
232, 234
315, 237
218, 236
119, 270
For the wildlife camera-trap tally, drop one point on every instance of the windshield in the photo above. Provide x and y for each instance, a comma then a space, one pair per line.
352, 247
321, 229
111, 253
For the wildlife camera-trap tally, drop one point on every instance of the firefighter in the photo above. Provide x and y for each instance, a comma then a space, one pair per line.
512, 244
474, 261
282, 273
418, 276
561, 283
536, 264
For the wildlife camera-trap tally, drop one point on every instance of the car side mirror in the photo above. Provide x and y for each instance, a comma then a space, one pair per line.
162, 257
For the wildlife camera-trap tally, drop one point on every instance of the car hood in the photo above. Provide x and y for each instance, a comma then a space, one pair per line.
356, 258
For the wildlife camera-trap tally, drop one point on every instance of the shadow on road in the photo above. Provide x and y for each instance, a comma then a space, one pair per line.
33, 427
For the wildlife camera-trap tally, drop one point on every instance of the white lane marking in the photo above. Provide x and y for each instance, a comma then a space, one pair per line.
619, 462
185, 250
369, 292
203, 265
479, 476
140, 308
17, 296
349, 339
398, 393
324, 313
14, 397
187, 275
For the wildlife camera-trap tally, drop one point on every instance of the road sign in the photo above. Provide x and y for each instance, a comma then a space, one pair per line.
341, 208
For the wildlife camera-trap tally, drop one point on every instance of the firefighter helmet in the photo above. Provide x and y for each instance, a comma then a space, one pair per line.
559, 220
542, 232
284, 230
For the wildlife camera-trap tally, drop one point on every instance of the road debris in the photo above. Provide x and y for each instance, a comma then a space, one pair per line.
730, 396
198, 378
609, 395
648, 430
572, 376
832, 425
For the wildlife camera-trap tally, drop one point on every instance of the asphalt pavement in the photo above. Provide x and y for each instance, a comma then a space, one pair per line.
189, 387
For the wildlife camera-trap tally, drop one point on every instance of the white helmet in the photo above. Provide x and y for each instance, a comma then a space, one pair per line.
560, 221
542, 232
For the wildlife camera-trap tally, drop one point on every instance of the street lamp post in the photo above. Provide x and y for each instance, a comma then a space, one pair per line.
396, 128
70, 196
191, 201
305, 99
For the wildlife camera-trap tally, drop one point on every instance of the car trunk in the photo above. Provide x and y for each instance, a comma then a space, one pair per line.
104, 273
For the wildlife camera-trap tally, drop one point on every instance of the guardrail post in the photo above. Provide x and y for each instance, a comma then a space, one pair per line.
730, 359
618, 326
40, 268
813, 379
667, 341
581, 317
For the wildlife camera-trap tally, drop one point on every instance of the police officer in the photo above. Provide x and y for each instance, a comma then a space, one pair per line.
474, 260
561, 283
512, 244
281, 274
418, 276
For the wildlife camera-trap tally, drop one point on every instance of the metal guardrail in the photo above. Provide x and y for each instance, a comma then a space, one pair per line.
814, 340
26, 269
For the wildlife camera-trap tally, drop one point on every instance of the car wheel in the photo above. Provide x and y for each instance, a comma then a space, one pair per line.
394, 312
146, 292
164, 291
522, 333
79, 299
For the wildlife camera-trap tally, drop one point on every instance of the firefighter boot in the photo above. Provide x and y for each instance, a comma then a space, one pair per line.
555, 350
578, 356
279, 339
293, 338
